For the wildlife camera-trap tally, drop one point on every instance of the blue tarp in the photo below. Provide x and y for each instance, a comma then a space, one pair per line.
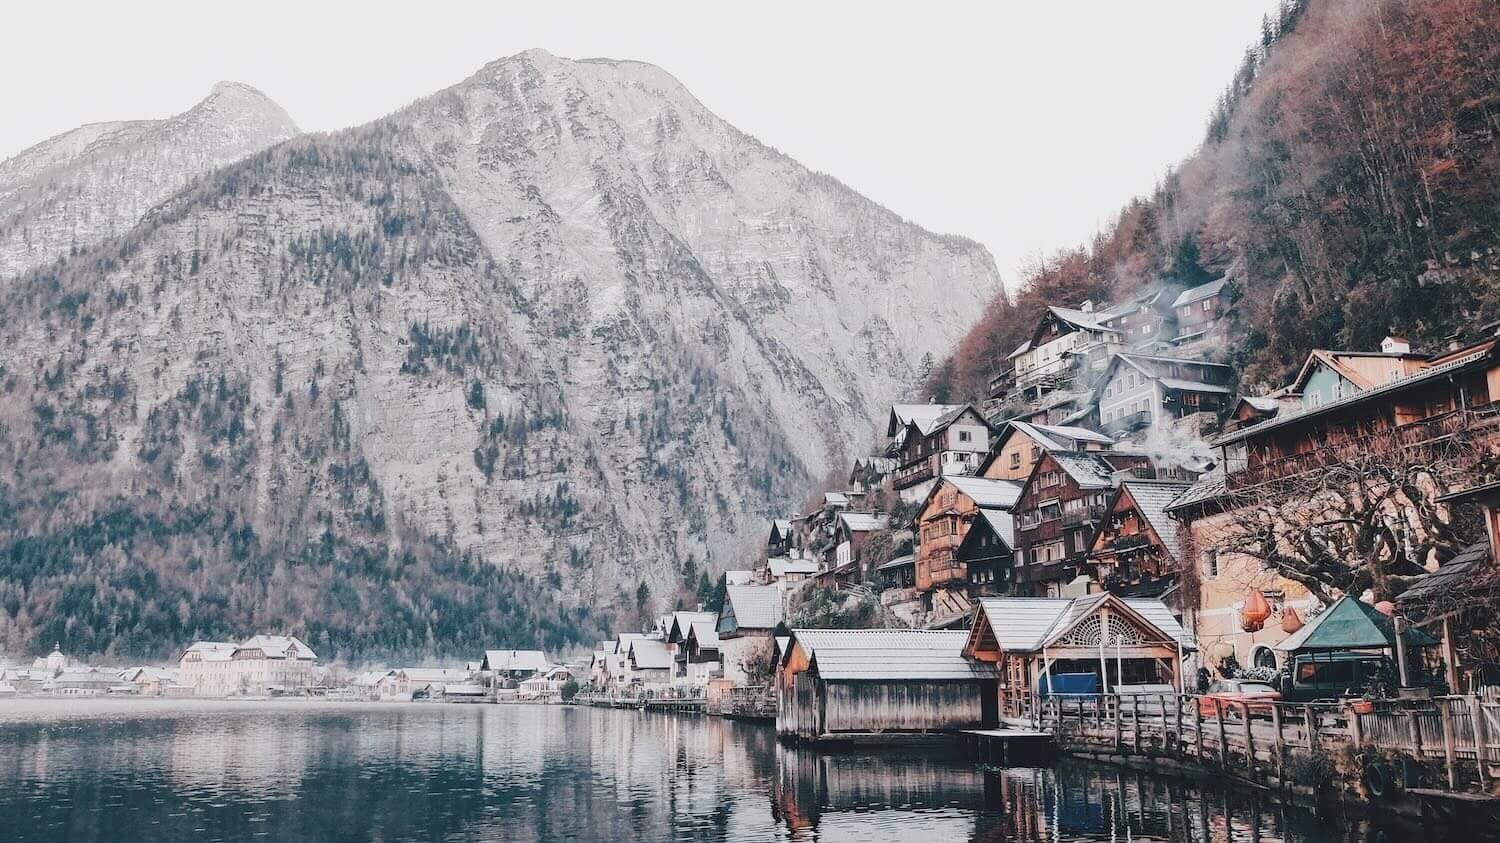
1068, 684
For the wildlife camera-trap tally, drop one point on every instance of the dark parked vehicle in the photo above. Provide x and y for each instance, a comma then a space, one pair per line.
1330, 676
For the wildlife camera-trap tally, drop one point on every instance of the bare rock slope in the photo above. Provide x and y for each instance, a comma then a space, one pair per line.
471, 373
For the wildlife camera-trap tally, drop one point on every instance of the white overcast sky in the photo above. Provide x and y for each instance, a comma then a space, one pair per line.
1022, 125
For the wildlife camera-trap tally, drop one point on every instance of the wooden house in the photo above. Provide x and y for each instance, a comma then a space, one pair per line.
852, 530
944, 519
1061, 338
1199, 310
779, 543
678, 629
699, 655
1019, 445
849, 683
987, 552
932, 446
1061, 503
900, 572
1119, 641
746, 624
1137, 551
650, 663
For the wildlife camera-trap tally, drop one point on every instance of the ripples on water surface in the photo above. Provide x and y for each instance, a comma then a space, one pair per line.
188, 770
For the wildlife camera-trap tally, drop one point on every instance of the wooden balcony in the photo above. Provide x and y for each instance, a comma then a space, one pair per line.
913, 473
1346, 449
1087, 515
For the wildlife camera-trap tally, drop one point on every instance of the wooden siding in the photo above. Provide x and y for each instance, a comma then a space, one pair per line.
812, 708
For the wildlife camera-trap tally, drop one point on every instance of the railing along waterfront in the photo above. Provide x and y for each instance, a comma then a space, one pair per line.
1263, 741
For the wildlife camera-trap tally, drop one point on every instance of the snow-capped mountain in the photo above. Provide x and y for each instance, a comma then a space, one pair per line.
72, 191
558, 319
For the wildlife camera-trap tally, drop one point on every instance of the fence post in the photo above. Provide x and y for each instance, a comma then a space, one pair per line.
1198, 726
1118, 739
1312, 729
1415, 731
1135, 723
1223, 736
1249, 743
1280, 751
1447, 720
1356, 732
1476, 711
1177, 716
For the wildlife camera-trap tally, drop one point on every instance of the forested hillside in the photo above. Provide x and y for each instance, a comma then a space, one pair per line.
1348, 185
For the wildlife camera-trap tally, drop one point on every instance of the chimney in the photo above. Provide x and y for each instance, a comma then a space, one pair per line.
1087, 306
1395, 345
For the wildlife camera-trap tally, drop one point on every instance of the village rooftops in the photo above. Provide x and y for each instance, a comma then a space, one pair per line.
278, 647
1350, 624
1055, 437
924, 416
1199, 293
1209, 488
1002, 524
682, 623
433, 674
513, 660
900, 561
1030, 624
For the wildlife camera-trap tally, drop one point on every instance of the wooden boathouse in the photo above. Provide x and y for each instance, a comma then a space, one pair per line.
853, 684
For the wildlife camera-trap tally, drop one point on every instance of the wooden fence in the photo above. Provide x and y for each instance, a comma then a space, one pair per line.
1258, 740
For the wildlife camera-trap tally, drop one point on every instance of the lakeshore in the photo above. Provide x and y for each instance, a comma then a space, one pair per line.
141, 769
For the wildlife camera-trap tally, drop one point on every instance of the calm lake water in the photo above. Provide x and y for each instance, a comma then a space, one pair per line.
187, 770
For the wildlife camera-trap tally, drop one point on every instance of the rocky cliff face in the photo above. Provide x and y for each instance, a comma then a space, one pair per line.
558, 322
70, 192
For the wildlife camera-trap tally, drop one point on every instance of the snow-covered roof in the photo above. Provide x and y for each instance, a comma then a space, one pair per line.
835, 499
889, 654
1203, 291
1003, 523
682, 622
1027, 624
922, 415
781, 567
782, 526
514, 660
705, 635
1082, 318
649, 654
1208, 487
432, 674
279, 647
1151, 499
986, 493
738, 577
212, 651
1264, 403
1195, 386
862, 522
754, 606
1086, 469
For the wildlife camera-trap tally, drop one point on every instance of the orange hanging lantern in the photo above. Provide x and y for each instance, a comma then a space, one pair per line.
1257, 609
1290, 621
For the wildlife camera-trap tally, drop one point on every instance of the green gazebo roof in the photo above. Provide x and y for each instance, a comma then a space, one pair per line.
1350, 625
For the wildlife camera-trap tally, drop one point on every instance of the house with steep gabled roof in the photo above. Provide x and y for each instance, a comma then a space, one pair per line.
1060, 335
1199, 310
1060, 504
1137, 550
1019, 444
945, 518
952, 443
1142, 391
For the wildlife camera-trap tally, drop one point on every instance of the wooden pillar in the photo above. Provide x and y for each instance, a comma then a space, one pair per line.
1450, 656
1447, 719
1414, 730
1278, 747
1198, 727
1135, 722
1223, 736
1177, 716
1476, 711
1249, 742
1118, 740
1312, 728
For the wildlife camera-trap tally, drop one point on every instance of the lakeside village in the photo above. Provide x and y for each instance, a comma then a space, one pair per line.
1114, 557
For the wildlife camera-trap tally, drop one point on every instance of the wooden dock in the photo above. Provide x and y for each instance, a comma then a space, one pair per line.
1010, 747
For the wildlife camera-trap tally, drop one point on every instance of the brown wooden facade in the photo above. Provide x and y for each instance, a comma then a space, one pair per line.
1056, 516
1129, 554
